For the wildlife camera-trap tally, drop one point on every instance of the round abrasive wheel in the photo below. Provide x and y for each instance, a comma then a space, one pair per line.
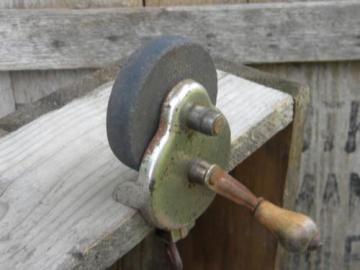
142, 84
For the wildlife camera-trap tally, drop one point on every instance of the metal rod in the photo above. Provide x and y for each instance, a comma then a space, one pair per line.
205, 120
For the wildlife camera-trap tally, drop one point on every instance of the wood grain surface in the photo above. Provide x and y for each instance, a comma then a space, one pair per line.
81, 38
329, 182
3, 132
29, 86
7, 100
330, 162
21, 4
25, 113
57, 209
190, 2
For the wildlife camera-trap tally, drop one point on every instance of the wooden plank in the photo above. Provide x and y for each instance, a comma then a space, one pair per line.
329, 173
330, 162
150, 254
154, 3
3, 132
25, 113
30, 86
68, 3
244, 134
7, 102
58, 175
77, 38
287, 1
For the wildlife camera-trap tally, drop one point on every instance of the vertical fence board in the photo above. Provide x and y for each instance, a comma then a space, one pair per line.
190, 2
68, 3
30, 86
3, 132
7, 103
330, 174
330, 182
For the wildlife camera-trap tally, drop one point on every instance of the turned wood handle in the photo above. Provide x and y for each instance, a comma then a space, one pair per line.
295, 231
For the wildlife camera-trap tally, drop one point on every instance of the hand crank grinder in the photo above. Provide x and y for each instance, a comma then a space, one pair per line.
163, 122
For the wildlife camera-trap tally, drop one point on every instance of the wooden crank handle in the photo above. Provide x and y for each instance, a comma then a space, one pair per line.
295, 231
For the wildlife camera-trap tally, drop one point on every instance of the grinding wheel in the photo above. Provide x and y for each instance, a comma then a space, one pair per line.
141, 87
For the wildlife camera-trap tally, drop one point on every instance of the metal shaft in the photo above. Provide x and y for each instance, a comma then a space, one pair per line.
222, 183
205, 120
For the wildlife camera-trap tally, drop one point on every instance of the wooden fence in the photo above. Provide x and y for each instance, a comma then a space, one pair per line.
322, 38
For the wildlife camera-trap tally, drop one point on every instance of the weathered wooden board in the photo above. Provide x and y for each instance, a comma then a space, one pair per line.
330, 181
3, 132
29, 86
330, 187
26, 113
7, 101
287, 1
190, 2
68, 3
57, 175
258, 33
